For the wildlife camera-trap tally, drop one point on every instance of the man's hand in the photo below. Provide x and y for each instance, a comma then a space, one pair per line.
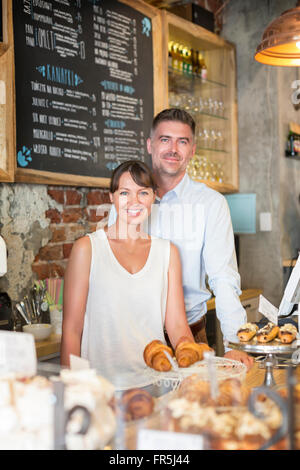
240, 356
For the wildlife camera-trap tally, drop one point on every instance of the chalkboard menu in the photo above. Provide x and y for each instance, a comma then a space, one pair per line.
84, 85
1, 22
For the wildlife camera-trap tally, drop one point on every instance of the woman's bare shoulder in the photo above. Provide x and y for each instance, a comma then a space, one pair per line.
81, 245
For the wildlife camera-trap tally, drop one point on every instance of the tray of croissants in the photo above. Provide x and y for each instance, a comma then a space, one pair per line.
186, 359
267, 336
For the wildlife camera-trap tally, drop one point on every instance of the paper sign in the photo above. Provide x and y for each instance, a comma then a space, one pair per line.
149, 439
268, 310
17, 354
78, 363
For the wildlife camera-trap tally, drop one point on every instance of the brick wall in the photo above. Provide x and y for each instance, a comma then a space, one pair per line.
75, 217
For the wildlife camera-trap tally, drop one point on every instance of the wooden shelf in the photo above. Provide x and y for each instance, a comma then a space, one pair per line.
220, 86
220, 187
289, 263
3, 48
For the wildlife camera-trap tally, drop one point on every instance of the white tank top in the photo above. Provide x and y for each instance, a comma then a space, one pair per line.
124, 312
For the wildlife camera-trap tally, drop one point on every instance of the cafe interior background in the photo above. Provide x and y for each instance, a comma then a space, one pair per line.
40, 222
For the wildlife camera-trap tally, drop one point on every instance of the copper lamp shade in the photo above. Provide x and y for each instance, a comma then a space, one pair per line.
280, 43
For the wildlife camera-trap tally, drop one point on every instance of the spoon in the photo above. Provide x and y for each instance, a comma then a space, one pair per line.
23, 315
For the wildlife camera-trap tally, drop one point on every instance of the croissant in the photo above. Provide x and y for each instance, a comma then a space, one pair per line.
155, 357
232, 392
187, 353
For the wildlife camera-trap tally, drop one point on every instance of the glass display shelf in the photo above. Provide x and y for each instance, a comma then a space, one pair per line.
211, 150
184, 78
202, 113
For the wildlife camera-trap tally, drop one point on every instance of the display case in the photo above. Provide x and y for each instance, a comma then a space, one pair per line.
200, 75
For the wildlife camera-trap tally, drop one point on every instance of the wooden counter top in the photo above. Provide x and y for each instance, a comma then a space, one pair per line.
48, 346
246, 294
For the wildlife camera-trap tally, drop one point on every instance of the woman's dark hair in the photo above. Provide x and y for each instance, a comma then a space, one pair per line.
139, 171
173, 114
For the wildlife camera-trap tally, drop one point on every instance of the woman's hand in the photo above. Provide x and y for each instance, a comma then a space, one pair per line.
240, 356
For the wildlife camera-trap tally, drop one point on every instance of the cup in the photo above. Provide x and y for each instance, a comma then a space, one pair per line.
56, 318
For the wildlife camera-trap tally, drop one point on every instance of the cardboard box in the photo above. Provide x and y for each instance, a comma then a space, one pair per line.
195, 14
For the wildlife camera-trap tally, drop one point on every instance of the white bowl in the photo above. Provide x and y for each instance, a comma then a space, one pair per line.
40, 331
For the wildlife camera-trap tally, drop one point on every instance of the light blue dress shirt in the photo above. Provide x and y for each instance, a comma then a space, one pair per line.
197, 220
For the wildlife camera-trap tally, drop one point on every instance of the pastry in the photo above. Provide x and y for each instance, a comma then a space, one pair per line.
135, 404
155, 357
194, 389
224, 429
231, 392
27, 411
287, 333
267, 333
187, 353
247, 331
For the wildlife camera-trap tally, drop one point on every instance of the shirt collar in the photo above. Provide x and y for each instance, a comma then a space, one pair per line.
178, 190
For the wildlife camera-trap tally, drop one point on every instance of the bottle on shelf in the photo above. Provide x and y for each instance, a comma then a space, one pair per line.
193, 60
175, 56
203, 68
187, 60
180, 57
170, 53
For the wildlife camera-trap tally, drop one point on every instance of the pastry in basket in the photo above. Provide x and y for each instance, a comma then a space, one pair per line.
231, 392
187, 353
267, 333
135, 404
224, 429
287, 333
192, 388
155, 357
247, 332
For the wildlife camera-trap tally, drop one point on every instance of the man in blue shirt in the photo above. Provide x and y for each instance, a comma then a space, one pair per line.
197, 220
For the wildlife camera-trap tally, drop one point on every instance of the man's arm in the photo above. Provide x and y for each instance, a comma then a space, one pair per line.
220, 263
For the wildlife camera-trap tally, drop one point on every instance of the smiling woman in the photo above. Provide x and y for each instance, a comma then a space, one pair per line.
123, 287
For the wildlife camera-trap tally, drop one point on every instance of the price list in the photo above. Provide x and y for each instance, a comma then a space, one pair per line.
84, 85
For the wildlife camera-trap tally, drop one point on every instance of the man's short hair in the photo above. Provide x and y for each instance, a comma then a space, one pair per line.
173, 114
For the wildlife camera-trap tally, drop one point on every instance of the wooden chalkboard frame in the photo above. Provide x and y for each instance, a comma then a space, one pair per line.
159, 92
7, 159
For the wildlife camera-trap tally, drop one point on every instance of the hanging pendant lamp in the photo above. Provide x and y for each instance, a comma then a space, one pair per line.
280, 43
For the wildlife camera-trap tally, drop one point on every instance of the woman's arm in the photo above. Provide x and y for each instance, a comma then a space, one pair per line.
176, 322
76, 286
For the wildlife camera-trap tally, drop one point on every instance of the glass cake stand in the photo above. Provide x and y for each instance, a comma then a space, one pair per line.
270, 350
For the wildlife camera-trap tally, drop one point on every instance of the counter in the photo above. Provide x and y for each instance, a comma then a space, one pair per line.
48, 348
